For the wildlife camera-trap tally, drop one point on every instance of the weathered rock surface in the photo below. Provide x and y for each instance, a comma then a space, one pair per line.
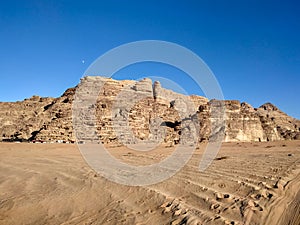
132, 111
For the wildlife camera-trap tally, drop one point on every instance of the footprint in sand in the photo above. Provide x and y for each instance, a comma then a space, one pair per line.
223, 197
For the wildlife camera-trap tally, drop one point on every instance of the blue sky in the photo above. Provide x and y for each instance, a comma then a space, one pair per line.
251, 46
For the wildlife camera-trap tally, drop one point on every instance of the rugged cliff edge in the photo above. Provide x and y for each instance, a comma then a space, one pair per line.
50, 119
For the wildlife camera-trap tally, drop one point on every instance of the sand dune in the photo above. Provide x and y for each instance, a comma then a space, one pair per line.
248, 183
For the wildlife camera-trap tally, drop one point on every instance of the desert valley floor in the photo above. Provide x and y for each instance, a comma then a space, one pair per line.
248, 183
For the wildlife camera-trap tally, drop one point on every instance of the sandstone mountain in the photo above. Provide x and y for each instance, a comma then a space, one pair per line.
140, 103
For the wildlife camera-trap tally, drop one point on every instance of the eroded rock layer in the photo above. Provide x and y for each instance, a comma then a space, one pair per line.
129, 111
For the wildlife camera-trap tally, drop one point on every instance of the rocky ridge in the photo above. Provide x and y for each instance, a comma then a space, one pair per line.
139, 106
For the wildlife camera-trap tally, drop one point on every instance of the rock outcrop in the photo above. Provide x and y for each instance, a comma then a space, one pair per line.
141, 111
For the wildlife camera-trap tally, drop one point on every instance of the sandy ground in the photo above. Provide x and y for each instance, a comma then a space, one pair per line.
249, 183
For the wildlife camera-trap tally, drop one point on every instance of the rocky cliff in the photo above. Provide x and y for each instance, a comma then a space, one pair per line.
138, 105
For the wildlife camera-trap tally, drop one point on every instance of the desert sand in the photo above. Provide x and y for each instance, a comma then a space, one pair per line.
248, 183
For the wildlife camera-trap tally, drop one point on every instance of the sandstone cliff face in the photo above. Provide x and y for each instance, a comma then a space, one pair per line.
37, 118
142, 111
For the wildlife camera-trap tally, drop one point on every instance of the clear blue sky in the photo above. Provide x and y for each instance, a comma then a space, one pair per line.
253, 47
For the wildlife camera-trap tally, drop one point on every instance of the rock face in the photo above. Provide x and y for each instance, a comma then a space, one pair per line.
141, 111
36, 118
